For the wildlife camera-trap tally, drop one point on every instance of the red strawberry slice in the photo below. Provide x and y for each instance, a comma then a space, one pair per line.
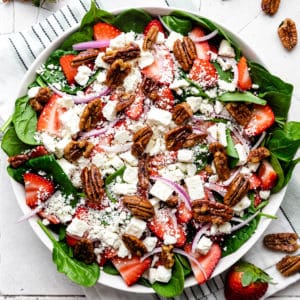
107, 254
72, 240
67, 68
38, 151
257, 200
104, 31
37, 189
164, 223
202, 48
207, 262
154, 23
159, 161
51, 218
81, 213
49, 119
261, 119
131, 269
267, 175
244, 79
162, 69
135, 110
254, 181
204, 73
183, 214
165, 99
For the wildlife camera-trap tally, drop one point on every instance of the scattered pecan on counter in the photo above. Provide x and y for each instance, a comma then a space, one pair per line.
285, 241
270, 7
288, 265
287, 33
134, 245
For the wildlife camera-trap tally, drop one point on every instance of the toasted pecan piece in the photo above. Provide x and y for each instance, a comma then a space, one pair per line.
140, 207
143, 172
182, 112
76, 149
117, 72
126, 53
172, 201
150, 38
167, 256
124, 101
185, 53
141, 139
287, 32
91, 115
284, 241
150, 88
134, 245
85, 56
258, 154
84, 251
43, 96
288, 265
270, 7
240, 112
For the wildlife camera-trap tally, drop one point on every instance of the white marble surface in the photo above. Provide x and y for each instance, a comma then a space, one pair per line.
21, 277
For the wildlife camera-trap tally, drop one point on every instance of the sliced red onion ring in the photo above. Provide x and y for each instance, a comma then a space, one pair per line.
259, 141
91, 44
93, 132
216, 188
198, 130
244, 223
154, 251
32, 213
240, 138
232, 176
192, 259
205, 37
117, 148
238, 220
210, 195
198, 235
181, 192
235, 71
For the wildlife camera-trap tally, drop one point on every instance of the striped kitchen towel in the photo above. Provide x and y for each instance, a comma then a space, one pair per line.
18, 52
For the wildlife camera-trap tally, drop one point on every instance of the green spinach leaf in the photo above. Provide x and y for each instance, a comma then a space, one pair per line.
223, 75
187, 269
241, 97
231, 150
17, 174
109, 180
109, 268
180, 25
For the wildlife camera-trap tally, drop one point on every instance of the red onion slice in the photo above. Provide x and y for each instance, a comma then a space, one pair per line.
198, 235
244, 223
91, 44
205, 37
117, 148
154, 251
259, 141
91, 133
216, 188
232, 176
32, 213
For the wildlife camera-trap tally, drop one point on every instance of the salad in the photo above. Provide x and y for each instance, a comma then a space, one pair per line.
150, 147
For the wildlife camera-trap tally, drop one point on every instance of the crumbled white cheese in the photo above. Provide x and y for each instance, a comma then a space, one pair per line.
226, 86
172, 38
32, 92
146, 59
122, 40
132, 80
83, 75
77, 227
178, 83
163, 274
161, 190
124, 188
191, 169
123, 250
264, 194
169, 239
110, 110
241, 206
157, 116
195, 187
129, 158
242, 154
185, 155
194, 103
218, 107
99, 62
206, 107
150, 242
130, 175
136, 227
204, 245
226, 50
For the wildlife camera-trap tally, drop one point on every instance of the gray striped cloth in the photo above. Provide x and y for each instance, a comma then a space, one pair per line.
18, 52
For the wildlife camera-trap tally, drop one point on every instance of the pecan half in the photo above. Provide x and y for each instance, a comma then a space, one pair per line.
129, 52
138, 206
85, 57
134, 245
258, 154
92, 183
76, 149
270, 7
117, 72
91, 115
288, 265
140, 140
150, 88
285, 241
167, 256
185, 52
214, 212
172, 201
175, 138
84, 251
143, 173
43, 96
240, 112
193, 139
182, 112
124, 101
287, 33
150, 38
237, 189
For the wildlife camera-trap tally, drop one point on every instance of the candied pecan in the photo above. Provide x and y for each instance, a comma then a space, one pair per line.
285, 241
240, 112
150, 38
117, 73
150, 88
214, 212
287, 33
176, 137
167, 256
258, 154
237, 189
84, 251
193, 139
126, 53
270, 7
134, 245
288, 265
185, 52
216, 147
182, 112
18, 160
172, 201
42, 97
92, 183
137, 149
140, 140
124, 101
143, 173
138, 206
86, 56
76, 149
91, 115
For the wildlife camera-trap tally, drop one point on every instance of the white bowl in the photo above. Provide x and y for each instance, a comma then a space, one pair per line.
116, 281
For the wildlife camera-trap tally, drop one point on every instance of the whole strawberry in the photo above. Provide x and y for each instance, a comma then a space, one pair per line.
245, 281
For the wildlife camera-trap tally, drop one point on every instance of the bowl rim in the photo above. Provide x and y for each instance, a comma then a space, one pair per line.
117, 282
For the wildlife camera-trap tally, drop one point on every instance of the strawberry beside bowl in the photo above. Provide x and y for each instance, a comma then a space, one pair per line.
266, 173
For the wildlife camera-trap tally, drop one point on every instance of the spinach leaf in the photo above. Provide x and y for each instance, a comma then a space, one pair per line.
176, 284
236, 240
231, 150
11, 144
187, 269
280, 173
143, 281
201, 156
77, 271
109, 268
292, 130
273, 89
241, 97
109, 180
180, 25
17, 174
132, 20
25, 120
289, 168
83, 35
223, 75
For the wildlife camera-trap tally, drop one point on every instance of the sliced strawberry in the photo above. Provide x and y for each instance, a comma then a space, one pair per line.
267, 175
164, 223
38, 151
202, 48
71, 240
104, 31
159, 161
67, 68
257, 200
165, 99
51, 218
81, 213
244, 79
204, 73
107, 255
131, 269
155, 23
37, 189
183, 214
254, 181
207, 262
135, 110
49, 119
162, 69
261, 119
